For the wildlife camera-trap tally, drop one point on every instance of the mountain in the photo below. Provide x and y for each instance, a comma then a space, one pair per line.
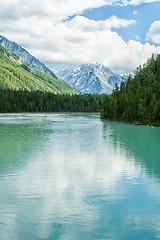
90, 78
16, 75
26, 56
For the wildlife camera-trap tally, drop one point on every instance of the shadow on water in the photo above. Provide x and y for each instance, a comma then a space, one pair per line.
140, 142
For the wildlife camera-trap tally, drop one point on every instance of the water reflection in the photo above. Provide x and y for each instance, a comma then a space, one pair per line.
71, 176
141, 142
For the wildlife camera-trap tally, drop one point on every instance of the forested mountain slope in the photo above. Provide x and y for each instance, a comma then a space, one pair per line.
138, 98
16, 75
25, 56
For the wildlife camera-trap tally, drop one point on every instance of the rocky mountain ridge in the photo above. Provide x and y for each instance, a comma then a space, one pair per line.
90, 78
25, 56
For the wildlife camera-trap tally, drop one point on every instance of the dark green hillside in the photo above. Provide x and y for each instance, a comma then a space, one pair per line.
138, 99
17, 75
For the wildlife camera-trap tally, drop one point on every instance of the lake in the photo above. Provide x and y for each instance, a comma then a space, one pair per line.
75, 177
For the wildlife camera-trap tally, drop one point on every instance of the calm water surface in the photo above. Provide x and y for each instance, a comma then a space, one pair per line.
75, 177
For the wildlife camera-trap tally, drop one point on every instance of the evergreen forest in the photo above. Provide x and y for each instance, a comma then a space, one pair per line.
137, 100
37, 101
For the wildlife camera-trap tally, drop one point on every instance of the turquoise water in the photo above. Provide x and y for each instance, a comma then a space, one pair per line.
75, 177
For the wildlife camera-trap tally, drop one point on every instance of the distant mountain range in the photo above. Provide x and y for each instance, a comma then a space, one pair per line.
90, 78
16, 75
87, 78
25, 56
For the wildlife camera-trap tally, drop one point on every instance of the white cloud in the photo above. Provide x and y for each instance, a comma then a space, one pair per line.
54, 9
80, 40
45, 29
57, 9
114, 22
154, 32
84, 24
137, 2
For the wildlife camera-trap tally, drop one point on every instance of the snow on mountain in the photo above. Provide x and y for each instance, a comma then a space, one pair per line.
25, 56
90, 78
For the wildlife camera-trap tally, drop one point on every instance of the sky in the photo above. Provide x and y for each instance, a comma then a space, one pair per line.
120, 34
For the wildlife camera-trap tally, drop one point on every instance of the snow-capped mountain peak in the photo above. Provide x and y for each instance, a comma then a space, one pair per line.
90, 78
